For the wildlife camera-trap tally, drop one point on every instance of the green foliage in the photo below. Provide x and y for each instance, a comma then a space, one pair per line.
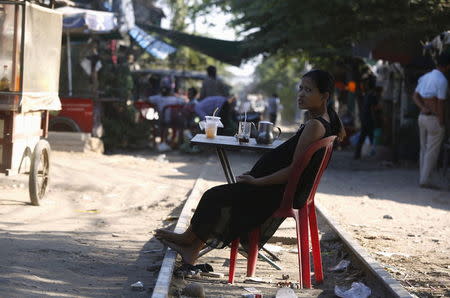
116, 80
184, 58
121, 130
329, 27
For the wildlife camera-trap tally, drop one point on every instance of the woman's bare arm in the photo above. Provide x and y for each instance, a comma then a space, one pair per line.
312, 132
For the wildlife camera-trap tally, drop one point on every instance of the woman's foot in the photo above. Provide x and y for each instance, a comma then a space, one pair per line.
189, 253
180, 239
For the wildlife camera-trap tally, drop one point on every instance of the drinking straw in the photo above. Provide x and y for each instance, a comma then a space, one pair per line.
214, 113
245, 116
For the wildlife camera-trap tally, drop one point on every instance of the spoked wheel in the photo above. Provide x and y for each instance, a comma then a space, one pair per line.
39, 172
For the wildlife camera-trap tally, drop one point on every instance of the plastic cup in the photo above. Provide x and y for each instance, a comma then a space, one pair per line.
211, 129
210, 126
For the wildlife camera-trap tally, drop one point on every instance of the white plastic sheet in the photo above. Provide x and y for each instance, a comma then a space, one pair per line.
42, 52
357, 290
35, 101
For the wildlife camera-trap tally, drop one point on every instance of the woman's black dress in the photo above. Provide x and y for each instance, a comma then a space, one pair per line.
229, 211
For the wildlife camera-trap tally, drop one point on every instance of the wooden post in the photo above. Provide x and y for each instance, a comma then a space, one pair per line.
45, 121
97, 130
8, 140
15, 79
69, 62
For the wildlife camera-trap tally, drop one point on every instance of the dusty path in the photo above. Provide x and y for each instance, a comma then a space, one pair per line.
90, 236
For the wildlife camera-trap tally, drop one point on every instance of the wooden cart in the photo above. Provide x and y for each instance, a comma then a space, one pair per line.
30, 47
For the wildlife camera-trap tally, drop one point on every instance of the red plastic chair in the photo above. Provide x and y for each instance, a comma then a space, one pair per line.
143, 107
301, 216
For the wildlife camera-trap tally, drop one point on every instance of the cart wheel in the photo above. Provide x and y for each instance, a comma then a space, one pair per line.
39, 171
63, 124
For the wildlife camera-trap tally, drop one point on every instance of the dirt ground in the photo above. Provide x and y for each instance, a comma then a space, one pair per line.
404, 227
92, 235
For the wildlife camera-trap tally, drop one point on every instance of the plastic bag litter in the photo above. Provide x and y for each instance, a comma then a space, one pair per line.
137, 286
357, 290
273, 248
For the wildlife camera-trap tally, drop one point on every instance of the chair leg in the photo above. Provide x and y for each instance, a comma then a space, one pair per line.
162, 133
233, 257
299, 249
252, 252
318, 272
174, 136
304, 241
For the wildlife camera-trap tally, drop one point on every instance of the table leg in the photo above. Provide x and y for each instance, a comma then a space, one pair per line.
271, 263
226, 166
205, 251
261, 255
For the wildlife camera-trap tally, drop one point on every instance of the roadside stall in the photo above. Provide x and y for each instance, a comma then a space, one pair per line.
88, 80
79, 72
30, 47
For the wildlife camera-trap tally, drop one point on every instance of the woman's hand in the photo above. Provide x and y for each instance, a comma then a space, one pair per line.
246, 178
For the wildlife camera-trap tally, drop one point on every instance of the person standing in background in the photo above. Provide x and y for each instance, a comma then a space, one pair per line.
368, 113
273, 105
429, 96
213, 86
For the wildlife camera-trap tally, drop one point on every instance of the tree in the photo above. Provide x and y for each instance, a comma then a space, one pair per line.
329, 27
184, 58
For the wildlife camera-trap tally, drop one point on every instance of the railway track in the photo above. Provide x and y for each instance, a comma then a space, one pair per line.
363, 266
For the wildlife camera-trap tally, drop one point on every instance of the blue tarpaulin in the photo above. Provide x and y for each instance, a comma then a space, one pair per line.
88, 20
152, 45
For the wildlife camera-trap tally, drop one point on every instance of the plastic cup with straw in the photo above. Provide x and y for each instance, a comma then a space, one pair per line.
212, 122
215, 111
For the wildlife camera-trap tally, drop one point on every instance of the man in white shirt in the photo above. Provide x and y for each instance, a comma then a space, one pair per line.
429, 96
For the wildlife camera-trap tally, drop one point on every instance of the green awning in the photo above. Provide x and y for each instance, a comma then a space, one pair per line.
231, 52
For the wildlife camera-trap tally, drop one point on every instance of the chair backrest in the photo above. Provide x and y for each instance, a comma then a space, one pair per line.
173, 115
286, 206
143, 107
